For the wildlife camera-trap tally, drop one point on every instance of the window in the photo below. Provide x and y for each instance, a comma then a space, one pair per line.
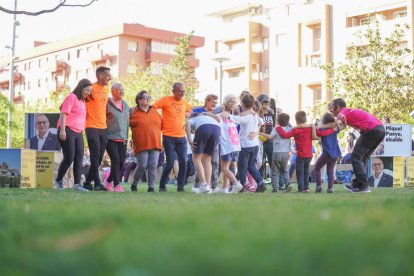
30, 65
40, 63
39, 83
46, 80
164, 48
133, 46
399, 14
280, 40
29, 85
25, 65
265, 43
316, 38
367, 20
79, 53
68, 55
265, 72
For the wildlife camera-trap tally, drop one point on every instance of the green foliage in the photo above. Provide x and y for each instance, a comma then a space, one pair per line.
377, 74
4, 107
158, 79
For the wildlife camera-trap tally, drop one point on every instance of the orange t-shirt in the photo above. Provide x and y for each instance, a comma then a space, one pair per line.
96, 107
146, 129
173, 115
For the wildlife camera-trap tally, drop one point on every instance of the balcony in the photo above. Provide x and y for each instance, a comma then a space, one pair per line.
166, 58
313, 59
54, 66
5, 77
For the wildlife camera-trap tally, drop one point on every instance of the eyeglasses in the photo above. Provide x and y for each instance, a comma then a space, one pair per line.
145, 97
42, 122
376, 164
180, 91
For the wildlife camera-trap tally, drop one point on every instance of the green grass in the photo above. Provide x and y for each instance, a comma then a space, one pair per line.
47, 232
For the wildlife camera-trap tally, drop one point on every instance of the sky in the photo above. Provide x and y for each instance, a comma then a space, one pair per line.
178, 15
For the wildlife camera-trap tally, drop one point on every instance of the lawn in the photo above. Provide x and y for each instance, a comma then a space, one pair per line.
47, 232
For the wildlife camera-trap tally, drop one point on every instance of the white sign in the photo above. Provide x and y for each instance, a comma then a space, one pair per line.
397, 141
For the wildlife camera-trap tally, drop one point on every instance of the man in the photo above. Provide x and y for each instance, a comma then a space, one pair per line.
44, 140
268, 126
96, 126
174, 111
210, 105
379, 178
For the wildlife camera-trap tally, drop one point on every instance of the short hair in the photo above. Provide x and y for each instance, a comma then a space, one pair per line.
210, 97
244, 92
139, 96
102, 69
328, 118
116, 86
41, 114
283, 119
228, 98
300, 117
81, 85
174, 87
339, 102
247, 100
377, 158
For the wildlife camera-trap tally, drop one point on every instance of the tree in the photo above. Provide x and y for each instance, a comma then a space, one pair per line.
4, 107
377, 74
158, 79
62, 3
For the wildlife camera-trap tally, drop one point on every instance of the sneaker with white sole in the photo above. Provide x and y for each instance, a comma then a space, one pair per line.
361, 190
108, 186
79, 187
195, 190
58, 185
223, 191
204, 188
288, 188
216, 190
236, 188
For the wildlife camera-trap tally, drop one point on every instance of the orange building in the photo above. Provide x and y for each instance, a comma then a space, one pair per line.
54, 66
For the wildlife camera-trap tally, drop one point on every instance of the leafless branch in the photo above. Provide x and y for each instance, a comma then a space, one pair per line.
61, 4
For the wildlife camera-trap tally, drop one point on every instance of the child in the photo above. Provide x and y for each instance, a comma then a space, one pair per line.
330, 153
303, 140
249, 142
280, 157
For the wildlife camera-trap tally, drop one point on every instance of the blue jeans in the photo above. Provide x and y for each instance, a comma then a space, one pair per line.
171, 146
147, 160
247, 162
302, 173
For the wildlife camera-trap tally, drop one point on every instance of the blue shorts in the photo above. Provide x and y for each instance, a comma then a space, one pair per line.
229, 157
206, 138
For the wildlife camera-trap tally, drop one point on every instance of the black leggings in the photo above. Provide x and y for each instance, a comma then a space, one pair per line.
117, 154
72, 149
97, 143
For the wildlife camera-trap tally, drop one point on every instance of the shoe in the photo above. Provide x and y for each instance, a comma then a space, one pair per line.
134, 188
288, 188
247, 188
274, 190
330, 191
58, 185
336, 181
281, 188
162, 189
348, 187
172, 181
204, 188
108, 186
118, 188
361, 190
236, 188
100, 188
318, 189
180, 190
261, 188
195, 189
88, 186
216, 190
307, 190
223, 191
150, 190
78, 187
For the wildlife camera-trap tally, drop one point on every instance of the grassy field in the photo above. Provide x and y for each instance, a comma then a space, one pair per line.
47, 232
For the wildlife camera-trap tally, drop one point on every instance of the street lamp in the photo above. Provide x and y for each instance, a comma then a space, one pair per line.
220, 60
11, 84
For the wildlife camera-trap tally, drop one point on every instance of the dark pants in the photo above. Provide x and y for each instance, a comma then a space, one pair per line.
330, 163
117, 154
171, 146
292, 167
302, 173
72, 149
190, 167
97, 143
126, 170
268, 154
247, 162
364, 147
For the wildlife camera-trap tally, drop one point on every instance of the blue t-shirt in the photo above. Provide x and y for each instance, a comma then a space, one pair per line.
200, 109
330, 145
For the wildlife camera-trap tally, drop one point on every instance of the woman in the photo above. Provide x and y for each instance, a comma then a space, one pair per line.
70, 125
145, 123
117, 120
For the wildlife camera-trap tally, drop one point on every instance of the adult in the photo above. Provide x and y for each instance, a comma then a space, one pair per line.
70, 125
379, 178
174, 111
210, 105
145, 123
268, 126
96, 126
44, 140
117, 120
372, 133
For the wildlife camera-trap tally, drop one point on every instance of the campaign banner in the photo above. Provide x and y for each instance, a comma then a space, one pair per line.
382, 172
398, 173
17, 169
28, 179
40, 131
45, 169
410, 171
397, 141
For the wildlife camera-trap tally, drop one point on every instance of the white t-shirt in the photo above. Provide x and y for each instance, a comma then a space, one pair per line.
200, 120
249, 123
229, 139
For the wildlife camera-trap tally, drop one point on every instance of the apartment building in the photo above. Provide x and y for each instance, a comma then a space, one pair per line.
59, 65
276, 47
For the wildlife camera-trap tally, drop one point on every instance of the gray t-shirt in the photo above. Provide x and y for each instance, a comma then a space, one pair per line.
280, 144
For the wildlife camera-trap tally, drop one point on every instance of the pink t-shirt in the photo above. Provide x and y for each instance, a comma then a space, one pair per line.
359, 119
75, 111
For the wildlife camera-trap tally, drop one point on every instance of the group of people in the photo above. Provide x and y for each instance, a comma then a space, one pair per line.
219, 138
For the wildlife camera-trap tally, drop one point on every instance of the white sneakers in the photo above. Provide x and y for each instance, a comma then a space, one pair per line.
204, 188
236, 188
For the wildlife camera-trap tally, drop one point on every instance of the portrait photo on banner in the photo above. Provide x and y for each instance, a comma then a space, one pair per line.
382, 169
40, 131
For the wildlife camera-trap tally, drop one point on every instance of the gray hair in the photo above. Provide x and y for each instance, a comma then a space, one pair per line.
228, 98
116, 85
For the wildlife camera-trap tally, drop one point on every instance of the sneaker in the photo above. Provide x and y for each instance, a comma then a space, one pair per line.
288, 188
108, 186
274, 190
100, 188
236, 188
195, 189
223, 191
162, 189
58, 185
337, 181
150, 190
118, 188
134, 188
88, 186
282, 188
330, 191
318, 189
204, 188
79, 187
361, 190
172, 181
246, 188
261, 188
348, 187
307, 190
216, 190
180, 190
